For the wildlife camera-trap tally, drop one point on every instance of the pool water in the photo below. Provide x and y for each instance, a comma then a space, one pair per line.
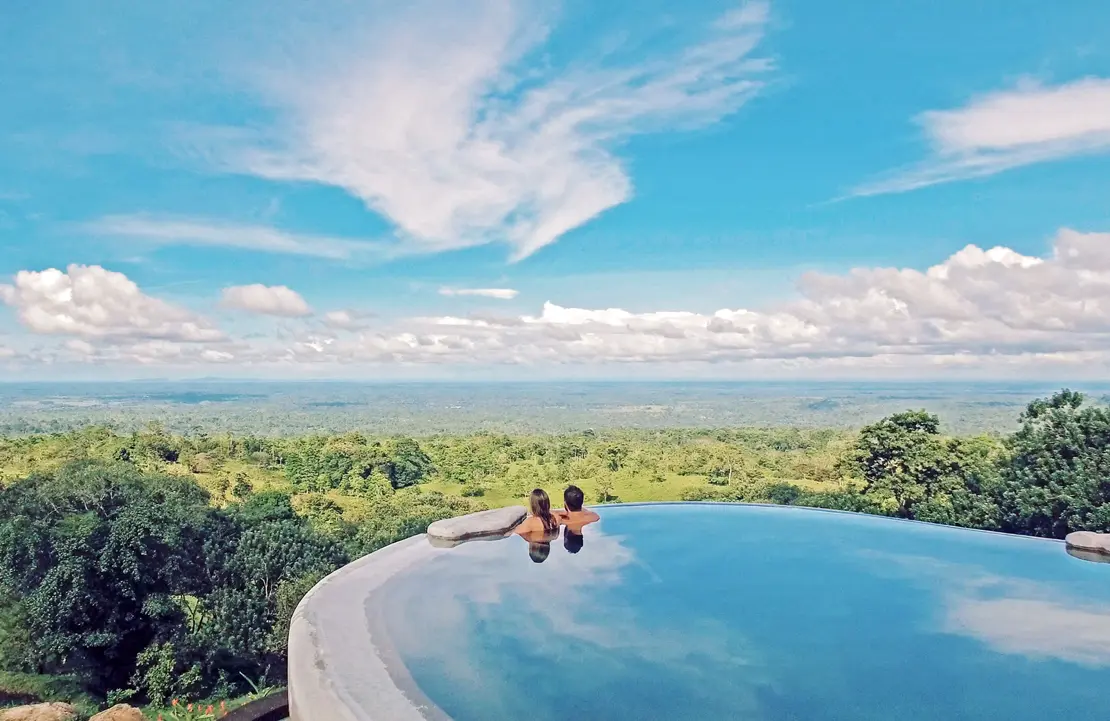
692, 611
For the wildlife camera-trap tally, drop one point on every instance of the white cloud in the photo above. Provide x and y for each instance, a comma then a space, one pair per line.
1007, 129
441, 122
992, 311
6, 353
268, 300
498, 293
200, 232
92, 302
346, 319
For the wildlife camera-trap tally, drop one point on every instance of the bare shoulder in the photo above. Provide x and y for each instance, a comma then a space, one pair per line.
528, 525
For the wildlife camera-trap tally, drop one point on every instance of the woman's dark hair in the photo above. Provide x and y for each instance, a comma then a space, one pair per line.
541, 509
573, 498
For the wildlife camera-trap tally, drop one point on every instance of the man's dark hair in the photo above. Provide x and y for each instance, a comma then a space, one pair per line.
572, 541
573, 498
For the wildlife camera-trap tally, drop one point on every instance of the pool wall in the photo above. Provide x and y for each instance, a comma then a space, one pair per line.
335, 669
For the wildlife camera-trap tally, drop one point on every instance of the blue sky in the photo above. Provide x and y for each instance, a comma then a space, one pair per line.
511, 188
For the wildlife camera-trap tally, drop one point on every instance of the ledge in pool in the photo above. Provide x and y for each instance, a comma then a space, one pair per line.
338, 672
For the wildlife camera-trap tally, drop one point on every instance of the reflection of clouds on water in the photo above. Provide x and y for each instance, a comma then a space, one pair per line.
1011, 615
556, 613
1035, 628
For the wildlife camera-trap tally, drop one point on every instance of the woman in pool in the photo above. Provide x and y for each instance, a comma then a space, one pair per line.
542, 524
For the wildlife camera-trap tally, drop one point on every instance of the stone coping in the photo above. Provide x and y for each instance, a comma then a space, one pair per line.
1084, 544
483, 524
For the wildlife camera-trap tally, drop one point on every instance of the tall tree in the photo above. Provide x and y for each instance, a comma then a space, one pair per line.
900, 459
1058, 480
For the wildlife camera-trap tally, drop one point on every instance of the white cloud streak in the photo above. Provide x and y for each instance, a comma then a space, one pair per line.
498, 293
266, 300
207, 233
1007, 129
433, 120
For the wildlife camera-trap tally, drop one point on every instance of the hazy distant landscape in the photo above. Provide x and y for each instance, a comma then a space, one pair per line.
291, 408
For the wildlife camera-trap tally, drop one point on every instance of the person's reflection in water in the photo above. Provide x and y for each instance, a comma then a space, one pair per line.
539, 545
539, 552
572, 541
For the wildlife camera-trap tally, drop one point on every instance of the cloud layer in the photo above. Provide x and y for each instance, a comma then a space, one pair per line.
978, 308
1007, 129
431, 119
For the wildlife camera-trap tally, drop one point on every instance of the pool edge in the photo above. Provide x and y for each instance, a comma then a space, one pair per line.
321, 631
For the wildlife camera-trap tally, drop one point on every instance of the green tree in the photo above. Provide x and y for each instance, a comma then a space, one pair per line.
242, 487
966, 491
95, 556
900, 459
408, 464
266, 546
1058, 478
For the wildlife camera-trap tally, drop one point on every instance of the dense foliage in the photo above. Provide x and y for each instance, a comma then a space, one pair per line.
166, 565
129, 578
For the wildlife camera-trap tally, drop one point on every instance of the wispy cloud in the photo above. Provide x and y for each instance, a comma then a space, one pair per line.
1006, 129
200, 232
499, 293
437, 120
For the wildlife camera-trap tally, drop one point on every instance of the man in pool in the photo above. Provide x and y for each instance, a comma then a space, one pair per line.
573, 515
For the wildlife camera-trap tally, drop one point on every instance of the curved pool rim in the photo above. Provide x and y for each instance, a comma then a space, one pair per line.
318, 632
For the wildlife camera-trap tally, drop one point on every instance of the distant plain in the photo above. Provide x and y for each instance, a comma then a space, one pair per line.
422, 409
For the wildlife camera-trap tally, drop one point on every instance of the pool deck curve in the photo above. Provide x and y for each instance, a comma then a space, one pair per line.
325, 639
336, 670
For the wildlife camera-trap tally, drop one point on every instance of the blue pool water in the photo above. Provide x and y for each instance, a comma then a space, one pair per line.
685, 612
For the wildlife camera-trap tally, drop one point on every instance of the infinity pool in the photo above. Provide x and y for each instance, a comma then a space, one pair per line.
703, 612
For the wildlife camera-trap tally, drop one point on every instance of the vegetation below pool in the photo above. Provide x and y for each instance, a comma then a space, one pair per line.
151, 566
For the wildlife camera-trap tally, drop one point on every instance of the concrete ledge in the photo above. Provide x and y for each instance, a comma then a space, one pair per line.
1088, 542
336, 671
484, 524
336, 666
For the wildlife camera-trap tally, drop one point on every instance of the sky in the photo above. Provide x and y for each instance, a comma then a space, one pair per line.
509, 189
